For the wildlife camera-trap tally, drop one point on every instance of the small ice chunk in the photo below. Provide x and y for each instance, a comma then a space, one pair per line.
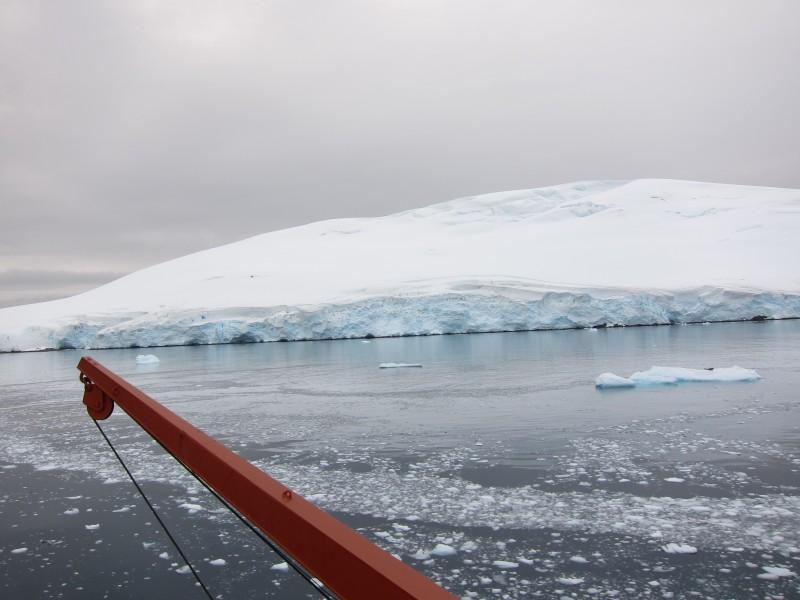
570, 580
218, 562
674, 479
443, 550
192, 508
93, 526
147, 359
19, 550
164, 556
610, 380
673, 548
394, 365
72, 511
773, 573
421, 555
183, 570
281, 567
578, 559
505, 564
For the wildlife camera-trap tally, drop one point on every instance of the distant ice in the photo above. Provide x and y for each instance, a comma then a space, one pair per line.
218, 562
392, 365
674, 375
92, 527
147, 359
72, 511
19, 550
280, 567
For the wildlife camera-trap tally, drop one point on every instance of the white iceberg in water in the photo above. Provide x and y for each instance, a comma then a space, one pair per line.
587, 254
675, 375
609, 380
147, 359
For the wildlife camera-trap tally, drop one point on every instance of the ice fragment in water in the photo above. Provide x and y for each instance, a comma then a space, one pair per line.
673, 548
443, 550
392, 365
147, 359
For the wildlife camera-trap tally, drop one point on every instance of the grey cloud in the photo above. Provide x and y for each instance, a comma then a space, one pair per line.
18, 286
133, 132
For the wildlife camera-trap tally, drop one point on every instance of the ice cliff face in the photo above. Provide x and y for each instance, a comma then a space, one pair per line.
575, 255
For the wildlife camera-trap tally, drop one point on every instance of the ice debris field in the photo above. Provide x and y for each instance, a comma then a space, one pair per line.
675, 375
586, 254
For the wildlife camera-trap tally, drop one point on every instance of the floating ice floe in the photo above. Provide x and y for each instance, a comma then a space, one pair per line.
218, 562
147, 359
280, 567
773, 573
675, 375
505, 564
393, 365
443, 550
673, 548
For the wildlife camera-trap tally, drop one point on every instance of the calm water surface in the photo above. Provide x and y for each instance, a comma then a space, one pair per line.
499, 447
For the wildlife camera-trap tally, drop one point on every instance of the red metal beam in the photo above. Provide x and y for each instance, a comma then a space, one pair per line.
349, 565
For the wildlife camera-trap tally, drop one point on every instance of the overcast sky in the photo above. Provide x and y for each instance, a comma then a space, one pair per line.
134, 131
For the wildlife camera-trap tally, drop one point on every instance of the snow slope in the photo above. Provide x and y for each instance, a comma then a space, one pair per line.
574, 255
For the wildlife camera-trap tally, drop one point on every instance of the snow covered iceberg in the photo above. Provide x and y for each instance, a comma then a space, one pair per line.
674, 375
575, 255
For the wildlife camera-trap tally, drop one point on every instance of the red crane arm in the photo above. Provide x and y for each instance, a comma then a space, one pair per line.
348, 564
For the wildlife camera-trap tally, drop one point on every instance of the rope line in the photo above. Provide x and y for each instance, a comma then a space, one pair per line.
316, 583
313, 581
153, 510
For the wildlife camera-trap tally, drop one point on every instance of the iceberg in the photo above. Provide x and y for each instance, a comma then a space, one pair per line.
590, 254
147, 359
675, 375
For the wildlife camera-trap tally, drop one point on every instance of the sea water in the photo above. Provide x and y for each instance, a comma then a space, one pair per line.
496, 468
